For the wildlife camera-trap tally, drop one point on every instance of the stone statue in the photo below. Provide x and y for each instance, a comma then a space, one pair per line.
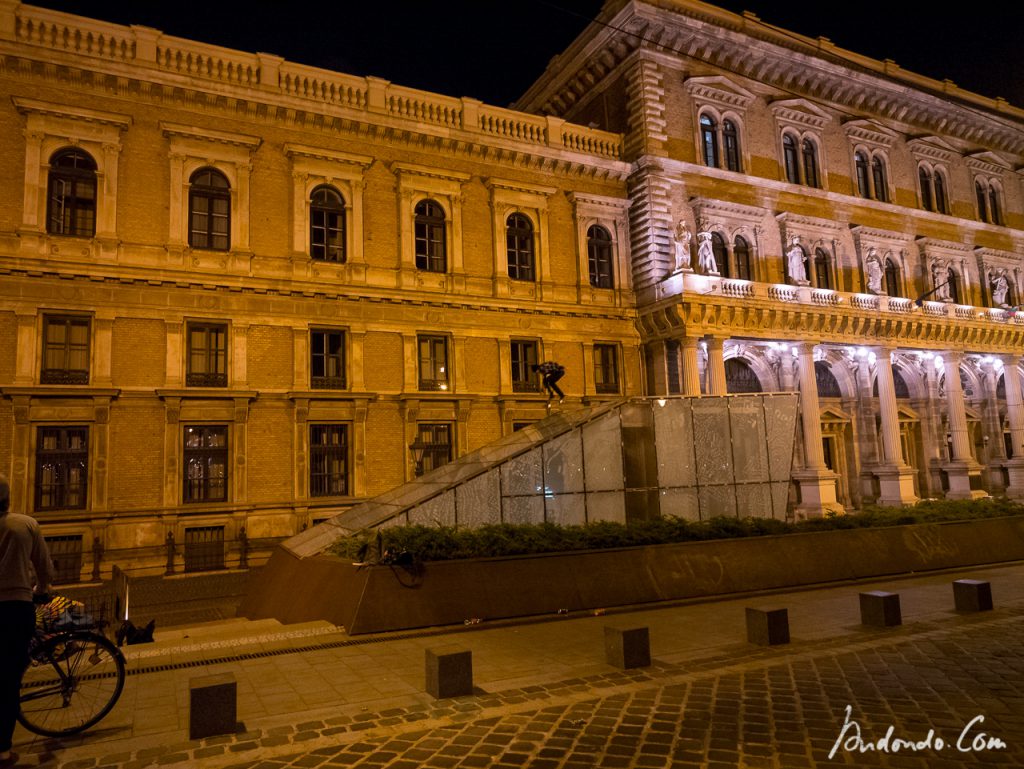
706, 254
1000, 288
874, 268
682, 238
795, 261
940, 277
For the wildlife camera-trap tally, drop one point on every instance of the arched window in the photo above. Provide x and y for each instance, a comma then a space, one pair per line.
979, 192
327, 225
822, 271
953, 286
721, 255
860, 160
810, 153
995, 208
828, 385
519, 243
941, 200
925, 178
731, 139
892, 278
599, 256
209, 205
741, 252
790, 157
709, 140
71, 194
740, 377
898, 382
430, 243
878, 177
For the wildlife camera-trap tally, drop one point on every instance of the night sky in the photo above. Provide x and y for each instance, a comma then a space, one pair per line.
494, 50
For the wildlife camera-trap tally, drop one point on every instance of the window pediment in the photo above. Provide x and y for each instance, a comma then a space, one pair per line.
870, 133
987, 162
932, 148
205, 135
719, 91
799, 113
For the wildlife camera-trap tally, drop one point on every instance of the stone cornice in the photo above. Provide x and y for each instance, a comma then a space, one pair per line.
747, 47
493, 183
751, 214
788, 218
946, 248
619, 205
319, 153
412, 169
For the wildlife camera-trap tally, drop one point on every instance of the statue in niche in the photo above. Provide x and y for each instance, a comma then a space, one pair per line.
681, 239
706, 254
795, 261
940, 279
873, 265
1000, 288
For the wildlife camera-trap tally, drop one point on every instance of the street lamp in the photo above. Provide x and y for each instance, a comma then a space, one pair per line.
418, 449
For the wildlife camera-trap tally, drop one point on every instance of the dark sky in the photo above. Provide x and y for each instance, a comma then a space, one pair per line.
493, 50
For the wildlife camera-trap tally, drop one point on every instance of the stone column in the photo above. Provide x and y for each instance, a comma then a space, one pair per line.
716, 367
817, 482
895, 478
963, 470
1015, 416
691, 367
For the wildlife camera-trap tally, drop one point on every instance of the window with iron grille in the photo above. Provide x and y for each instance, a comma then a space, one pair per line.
599, 256
62, 468
327, 225
606, 368
206, 463
524, 355
204, 548
209, 205
519, 243
437, 439
328, 460
430, 246
65, 350
207, 355
327, 359
66, 555
433, 360
71, 194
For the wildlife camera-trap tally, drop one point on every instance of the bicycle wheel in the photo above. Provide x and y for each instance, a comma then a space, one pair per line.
74, 680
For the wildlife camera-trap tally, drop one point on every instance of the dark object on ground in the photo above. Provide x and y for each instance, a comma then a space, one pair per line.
130, 634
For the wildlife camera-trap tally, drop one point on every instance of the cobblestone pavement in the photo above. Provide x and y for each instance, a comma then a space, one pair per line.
765, 707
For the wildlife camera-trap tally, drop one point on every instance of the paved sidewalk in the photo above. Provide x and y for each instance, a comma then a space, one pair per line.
310, 695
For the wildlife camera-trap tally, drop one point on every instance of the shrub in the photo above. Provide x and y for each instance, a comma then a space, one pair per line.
442, 543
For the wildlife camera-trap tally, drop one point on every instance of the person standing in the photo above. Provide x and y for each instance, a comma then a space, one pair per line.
25, 570
551, 372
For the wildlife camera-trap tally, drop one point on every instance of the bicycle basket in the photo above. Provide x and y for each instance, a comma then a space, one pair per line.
62, 613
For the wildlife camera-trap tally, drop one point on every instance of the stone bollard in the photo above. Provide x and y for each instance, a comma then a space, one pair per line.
449, 672
768, 627
627, 648
972, 595
880, 609
213, 706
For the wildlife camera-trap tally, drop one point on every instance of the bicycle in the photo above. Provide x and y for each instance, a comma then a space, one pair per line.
74, 678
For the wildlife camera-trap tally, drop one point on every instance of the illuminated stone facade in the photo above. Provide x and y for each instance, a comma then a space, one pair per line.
864, 228
240, 294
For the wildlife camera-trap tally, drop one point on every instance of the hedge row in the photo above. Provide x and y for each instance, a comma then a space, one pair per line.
445, 543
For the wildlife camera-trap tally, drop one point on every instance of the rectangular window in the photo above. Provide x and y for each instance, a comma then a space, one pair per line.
328, 460
204, 548
524, 355
65, 350
66, 554
327, 361
62, 468
433, 360
207, 355
435, 443
206, 463
606, 368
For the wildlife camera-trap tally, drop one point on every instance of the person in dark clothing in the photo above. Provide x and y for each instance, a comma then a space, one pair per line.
551, 372
25, 571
